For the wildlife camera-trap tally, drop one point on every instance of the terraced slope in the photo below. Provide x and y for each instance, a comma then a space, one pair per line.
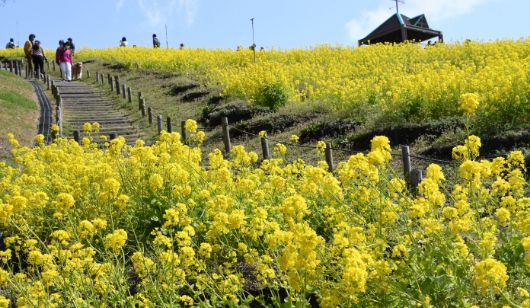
84, 103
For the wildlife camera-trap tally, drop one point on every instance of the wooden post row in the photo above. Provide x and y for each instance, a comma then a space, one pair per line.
159, 123
413, 177
329, 157
118, 89
169, 127
265, 148
183, 132
226, 135
129, 94
142, 109
150, 115
77, 136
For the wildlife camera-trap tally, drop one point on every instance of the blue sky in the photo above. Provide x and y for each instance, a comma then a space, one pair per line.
226, 24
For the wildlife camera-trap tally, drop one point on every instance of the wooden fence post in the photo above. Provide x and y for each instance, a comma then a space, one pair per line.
329, 157
118, 89
226, 135
77, 136
97, 77
407, 166
48, 83
159, 123
11, 66
169, 127
142, 109
53, 65
111, 86
150, 115
183, 132
141, 103
109, 80
265, 148
87, 74
416, 176
123, 92
129, 94
15, 63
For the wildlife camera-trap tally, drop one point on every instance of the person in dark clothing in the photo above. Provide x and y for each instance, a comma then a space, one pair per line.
38, 57
72, 46
59, 52
11, 44
156, 42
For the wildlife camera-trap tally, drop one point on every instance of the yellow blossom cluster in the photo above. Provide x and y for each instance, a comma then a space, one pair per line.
159, 226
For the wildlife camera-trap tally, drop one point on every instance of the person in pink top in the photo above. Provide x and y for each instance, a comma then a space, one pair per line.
66, 63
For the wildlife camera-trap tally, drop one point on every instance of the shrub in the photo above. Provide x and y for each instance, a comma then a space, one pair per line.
273, 96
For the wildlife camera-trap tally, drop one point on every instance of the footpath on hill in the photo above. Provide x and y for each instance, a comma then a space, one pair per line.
83, 103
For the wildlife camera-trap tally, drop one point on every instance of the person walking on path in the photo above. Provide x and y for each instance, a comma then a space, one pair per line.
27, 51
11, 44
59, 54
123, 42
38, 57
66, 63
72, 46
156, 42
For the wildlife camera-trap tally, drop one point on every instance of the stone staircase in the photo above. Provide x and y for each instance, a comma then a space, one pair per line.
82, 103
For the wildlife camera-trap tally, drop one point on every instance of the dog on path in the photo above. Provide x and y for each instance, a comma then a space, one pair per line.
77, 71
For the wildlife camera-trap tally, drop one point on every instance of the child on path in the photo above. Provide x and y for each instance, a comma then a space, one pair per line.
66, 63
38, 57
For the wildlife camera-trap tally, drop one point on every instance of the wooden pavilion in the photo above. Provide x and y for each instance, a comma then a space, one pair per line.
400, 28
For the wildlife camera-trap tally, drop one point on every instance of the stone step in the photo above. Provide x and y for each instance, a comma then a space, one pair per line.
92, 119
103, 122
100, 109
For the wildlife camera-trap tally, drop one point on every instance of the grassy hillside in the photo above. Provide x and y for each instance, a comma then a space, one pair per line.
18, 111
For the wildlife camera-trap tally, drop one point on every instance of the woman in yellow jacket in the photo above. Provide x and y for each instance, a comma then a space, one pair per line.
27, 51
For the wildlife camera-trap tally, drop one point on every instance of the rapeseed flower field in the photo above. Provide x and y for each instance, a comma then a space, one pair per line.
155, 225
394, 83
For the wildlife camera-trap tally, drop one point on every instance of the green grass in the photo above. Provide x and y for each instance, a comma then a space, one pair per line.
11, 99
18, 112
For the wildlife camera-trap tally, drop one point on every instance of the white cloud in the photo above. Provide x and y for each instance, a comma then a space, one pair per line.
190, 9
434, 10
159, 12
119, 4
